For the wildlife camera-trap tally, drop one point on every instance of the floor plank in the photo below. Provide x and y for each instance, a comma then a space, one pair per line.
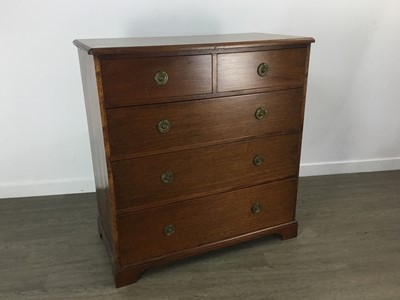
348, 248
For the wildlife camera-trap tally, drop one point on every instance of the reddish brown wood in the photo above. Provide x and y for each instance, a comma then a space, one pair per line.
131, 81
200, 97
185, 43
125, 276
205, 220
288, 232
133, 130
131, 274
203, 171
98, 135
238, 71
210, 147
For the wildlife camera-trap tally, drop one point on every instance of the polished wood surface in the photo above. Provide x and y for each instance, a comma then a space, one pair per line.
131, 81
238, 71
203, 171
175, 43
100, 152
133, 130
205, 220
215, 147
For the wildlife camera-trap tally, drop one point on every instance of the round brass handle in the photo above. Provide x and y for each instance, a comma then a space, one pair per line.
258, 160
261, 113
256, 208
163, 126
169, 230
167, 177
262, 69
161, 78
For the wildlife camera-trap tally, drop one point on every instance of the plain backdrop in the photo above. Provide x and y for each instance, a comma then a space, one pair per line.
352, 121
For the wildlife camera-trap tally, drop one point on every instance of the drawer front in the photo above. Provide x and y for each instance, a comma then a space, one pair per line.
198, 172
156, 232
137, 130
242, 71
141, 80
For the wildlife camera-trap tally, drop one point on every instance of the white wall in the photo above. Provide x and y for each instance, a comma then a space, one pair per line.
352, 118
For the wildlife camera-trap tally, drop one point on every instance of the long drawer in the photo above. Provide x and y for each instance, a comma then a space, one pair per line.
156, 232
261, 69
137, 131
197, 172
133, 81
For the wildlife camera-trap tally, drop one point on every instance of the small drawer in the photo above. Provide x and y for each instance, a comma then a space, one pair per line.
153, 129
135, 81
262, 69
164, 230
181, 175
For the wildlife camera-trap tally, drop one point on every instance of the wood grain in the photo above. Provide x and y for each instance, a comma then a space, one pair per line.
202, 221
185, 43
133, 130
100, 152
238, 71
131, 81
203, 171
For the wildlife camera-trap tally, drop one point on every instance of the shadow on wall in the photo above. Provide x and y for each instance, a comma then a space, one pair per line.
190, 23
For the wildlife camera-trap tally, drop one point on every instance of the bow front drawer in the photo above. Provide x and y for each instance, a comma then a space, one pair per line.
261, 69
182, 226
132, 81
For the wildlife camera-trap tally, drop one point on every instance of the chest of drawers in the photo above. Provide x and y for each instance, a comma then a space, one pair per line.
195, 142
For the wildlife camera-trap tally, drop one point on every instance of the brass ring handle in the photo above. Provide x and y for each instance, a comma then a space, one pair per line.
167, 177
256, 208
169, 230
258, 160
262, 69
161, 78
163, 126
260, 113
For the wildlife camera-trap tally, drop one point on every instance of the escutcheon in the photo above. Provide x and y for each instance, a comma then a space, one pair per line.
262, 69
167, 177
163, 126
256, 208
258, 160
261, 112
169, 230
161, 78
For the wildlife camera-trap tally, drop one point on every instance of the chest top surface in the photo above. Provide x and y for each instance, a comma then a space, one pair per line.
200, 42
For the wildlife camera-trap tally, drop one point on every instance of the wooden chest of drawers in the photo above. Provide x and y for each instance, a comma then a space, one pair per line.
195, 142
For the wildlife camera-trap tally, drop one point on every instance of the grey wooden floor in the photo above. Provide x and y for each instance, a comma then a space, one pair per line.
348, 248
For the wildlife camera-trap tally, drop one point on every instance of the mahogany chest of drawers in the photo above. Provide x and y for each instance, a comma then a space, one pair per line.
195, 142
